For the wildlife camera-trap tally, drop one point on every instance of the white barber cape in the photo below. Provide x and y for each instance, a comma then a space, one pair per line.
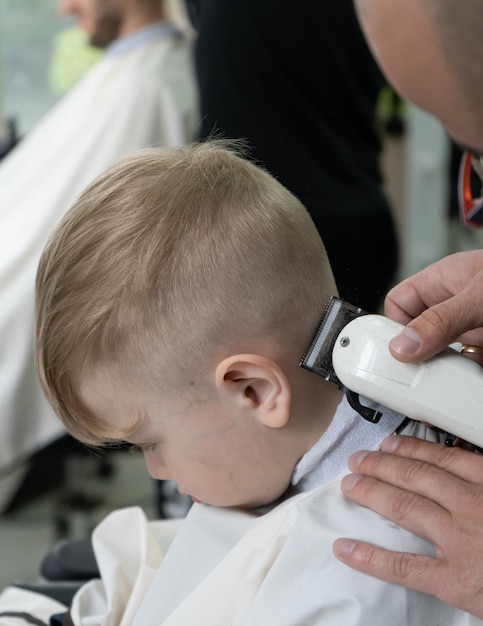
141, 93
226, 567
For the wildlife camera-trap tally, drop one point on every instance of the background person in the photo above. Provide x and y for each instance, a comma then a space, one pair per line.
430, 51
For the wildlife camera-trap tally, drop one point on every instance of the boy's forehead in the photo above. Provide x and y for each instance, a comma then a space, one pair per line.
107, 397
122, 405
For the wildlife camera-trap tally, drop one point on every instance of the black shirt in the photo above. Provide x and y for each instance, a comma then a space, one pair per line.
297, 81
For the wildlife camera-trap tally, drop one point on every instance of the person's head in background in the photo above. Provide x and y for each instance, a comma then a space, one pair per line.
106, 20
174, 303
431, 51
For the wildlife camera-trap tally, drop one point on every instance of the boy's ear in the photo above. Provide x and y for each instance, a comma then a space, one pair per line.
258, 384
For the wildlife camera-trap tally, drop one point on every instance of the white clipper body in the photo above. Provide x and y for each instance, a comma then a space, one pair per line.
445, 391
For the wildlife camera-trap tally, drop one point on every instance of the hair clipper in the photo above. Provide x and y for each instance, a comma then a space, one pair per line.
350, 348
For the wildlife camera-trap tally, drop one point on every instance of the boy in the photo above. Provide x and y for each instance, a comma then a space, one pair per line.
174, 302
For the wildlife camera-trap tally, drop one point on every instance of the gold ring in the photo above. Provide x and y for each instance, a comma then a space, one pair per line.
471, 350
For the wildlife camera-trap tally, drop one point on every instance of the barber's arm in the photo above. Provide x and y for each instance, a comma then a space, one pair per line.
427, 488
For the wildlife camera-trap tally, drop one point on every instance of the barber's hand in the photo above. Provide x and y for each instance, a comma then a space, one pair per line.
435, 492
440, 305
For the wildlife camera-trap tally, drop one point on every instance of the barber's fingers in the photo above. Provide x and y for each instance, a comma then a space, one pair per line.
422, 516
436, 327
463, 464
454, 576
418, 495
441, 304
411, 570
435, 492
408, 299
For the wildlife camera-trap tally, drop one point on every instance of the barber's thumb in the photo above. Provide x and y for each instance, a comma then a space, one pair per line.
425, 336
405, 345
430, 332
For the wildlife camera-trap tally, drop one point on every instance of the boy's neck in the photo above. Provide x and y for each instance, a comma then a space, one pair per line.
314, 403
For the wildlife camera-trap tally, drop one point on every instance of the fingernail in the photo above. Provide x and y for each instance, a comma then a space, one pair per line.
407, 342
390, 444
349, 482
357, 458
344, 547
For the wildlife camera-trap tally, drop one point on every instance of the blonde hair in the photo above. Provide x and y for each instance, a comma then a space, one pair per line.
173, 256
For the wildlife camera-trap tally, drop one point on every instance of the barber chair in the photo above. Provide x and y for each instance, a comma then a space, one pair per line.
71, 562
58, 469
64, 570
